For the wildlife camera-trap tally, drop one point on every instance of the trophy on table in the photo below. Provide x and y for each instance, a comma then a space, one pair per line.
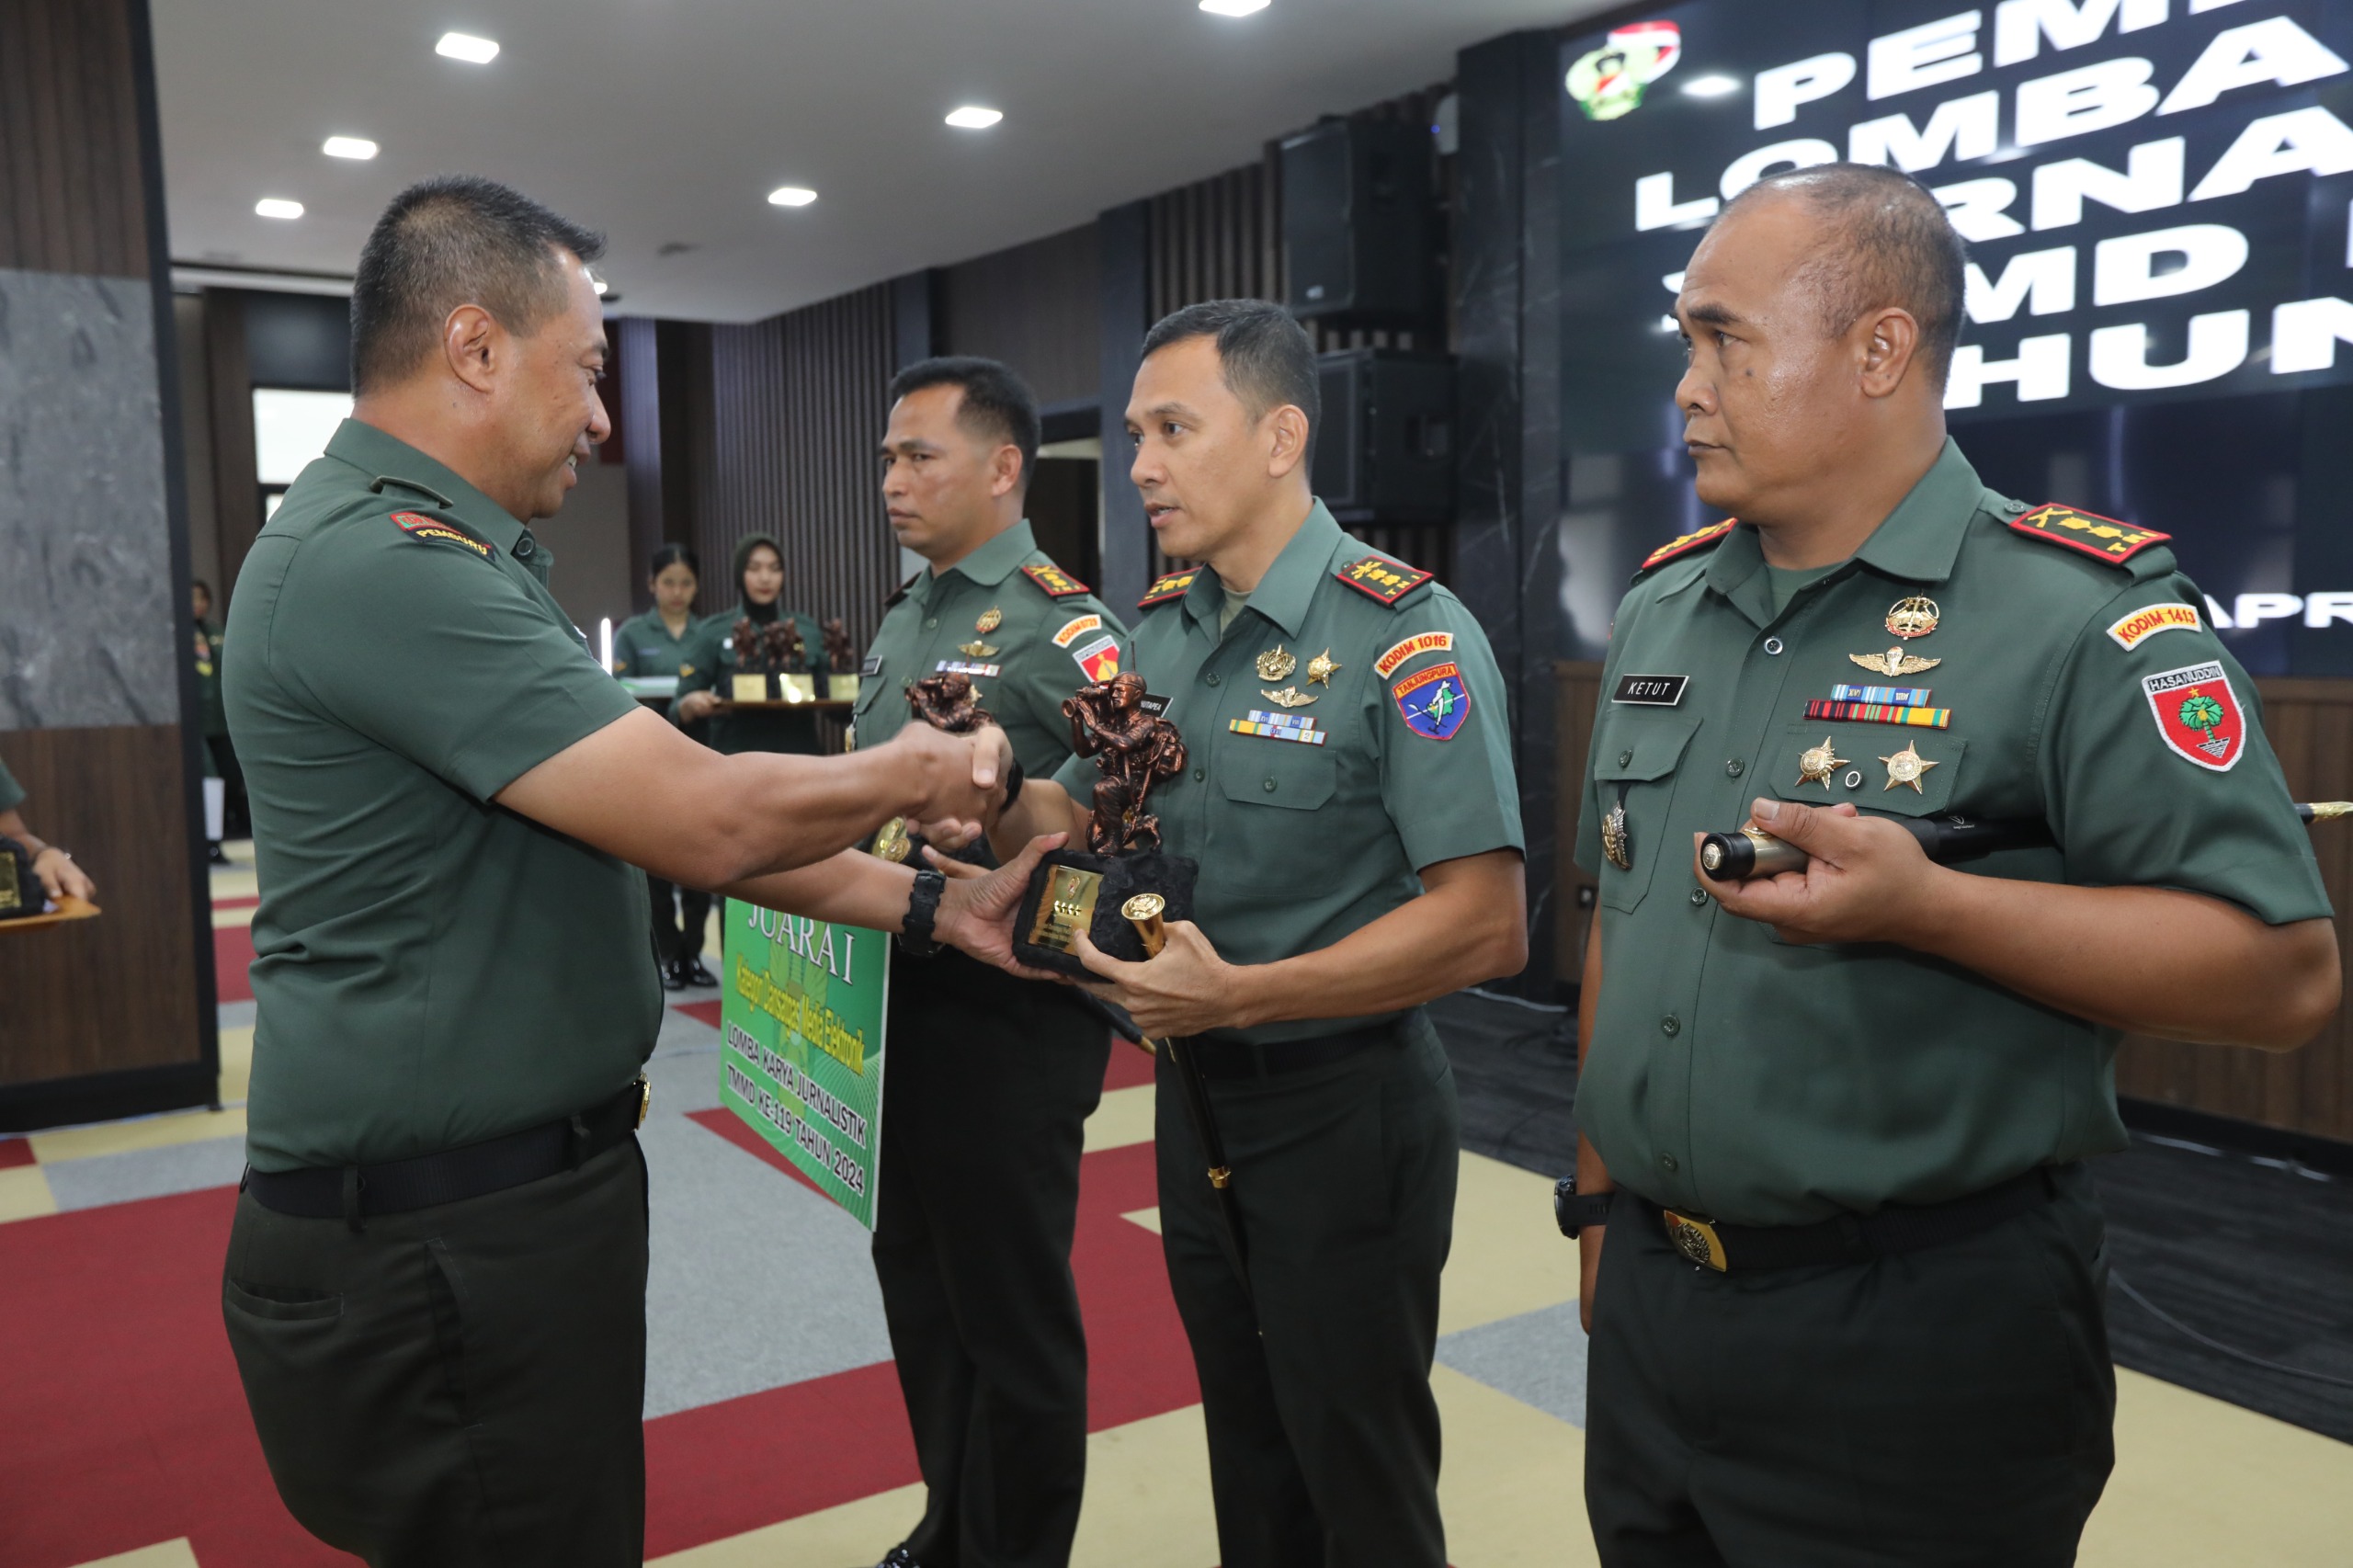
841, 661
1122, 866
771, 663
948, 703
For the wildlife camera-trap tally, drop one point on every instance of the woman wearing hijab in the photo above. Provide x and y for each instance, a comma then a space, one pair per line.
656, 644
707, 675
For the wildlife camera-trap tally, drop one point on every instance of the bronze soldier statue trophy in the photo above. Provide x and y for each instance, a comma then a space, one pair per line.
772, 663
1074, 890
841, 661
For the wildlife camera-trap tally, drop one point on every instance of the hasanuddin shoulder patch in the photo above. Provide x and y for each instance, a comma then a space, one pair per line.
1168, 586
1378, 577
1713, 534
419, 526
1058, 584
2086, 532
2149, 619
2198, 714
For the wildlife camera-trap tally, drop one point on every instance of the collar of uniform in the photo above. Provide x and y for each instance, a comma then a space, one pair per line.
1921, 539
377, 455
1284, 594
998, 559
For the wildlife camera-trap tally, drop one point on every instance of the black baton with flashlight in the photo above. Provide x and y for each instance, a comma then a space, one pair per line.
1752, 852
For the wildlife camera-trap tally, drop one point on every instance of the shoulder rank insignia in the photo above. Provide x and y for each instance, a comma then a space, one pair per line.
1168, 586
1378, 577
419, 526
901, 591
1713, 534
1058, 584
2094, 535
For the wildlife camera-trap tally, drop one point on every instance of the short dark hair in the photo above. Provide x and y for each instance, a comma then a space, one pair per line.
996, 402
671, 555
1263, 356
450, 241
200, 583
1887, 242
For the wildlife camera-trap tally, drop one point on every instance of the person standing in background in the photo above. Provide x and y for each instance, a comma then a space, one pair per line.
706, 676
221, 752
991, 1078
652, 644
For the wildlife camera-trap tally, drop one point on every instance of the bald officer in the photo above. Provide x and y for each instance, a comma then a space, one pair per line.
1849, 1307
1349, 796
434, 1286
992, 1078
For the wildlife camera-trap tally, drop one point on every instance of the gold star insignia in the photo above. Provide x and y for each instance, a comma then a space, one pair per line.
1894, 661
1277, 663
1815, 764
1907, 767
1322, 668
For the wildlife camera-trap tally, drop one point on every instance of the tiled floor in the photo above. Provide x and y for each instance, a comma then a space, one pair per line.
774, 1435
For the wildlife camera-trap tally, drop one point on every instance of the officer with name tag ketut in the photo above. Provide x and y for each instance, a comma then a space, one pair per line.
1835, 1120
1348, 795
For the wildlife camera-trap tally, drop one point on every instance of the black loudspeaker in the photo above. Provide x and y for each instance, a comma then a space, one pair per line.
1358, 224
1385, 451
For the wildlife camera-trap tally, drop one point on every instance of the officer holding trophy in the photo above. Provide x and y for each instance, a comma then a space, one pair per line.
1346, 801
973, 1249
1835, 1120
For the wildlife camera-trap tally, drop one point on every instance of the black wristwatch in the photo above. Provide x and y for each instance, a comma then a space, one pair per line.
1573, 1211
923, 913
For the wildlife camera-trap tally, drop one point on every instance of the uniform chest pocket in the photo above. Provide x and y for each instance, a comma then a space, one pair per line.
1893, 768
1636, 762
1260, 833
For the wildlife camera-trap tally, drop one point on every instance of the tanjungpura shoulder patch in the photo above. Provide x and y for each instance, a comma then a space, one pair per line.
1168, 585
2094, 535
417, 526
1713, 534
1378, 577
1057, 582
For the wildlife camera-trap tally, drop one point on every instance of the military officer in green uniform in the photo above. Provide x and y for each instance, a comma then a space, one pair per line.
707, 673
1849, 1307
991, 1078
654, 645
220, 753
1350, 799
435, 1285
59, 874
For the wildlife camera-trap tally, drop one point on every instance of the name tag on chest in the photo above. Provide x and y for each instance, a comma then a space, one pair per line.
1650, 691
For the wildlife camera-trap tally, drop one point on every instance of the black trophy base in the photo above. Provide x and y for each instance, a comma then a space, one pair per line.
1072, 891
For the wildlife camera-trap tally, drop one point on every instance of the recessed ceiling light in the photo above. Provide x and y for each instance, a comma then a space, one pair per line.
1233, 7
792, 196
277, 207
466, 47
348, 147
1712, 86
973, 116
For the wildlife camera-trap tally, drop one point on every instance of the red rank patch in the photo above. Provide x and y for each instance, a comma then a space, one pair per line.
1057, 582
2199, 715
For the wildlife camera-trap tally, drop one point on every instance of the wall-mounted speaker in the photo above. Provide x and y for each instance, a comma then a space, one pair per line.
1357, 222
1385, 452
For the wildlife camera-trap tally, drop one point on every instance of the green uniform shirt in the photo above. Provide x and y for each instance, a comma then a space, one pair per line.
209, 651
1313, 820
12, 795
432, 970
643, 647
1048, 636
1761, 1083
709, 665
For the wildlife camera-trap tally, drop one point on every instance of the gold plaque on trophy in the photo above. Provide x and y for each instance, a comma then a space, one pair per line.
1068, 907
749, 689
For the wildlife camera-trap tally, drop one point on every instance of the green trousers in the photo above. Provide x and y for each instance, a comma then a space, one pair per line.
1322, 1430
458, 1387
985, 1103
1953, 1405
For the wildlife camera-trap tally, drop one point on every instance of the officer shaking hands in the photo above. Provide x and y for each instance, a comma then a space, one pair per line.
1350, 797
1849, 1306
436, 1280
991, 1078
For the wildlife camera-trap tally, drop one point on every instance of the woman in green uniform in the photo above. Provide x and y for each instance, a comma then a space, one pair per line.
706, 680
650, 646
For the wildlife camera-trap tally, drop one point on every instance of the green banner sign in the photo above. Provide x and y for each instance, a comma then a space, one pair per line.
801, 1052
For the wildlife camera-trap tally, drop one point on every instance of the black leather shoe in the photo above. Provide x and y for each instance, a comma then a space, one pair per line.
673, 976
697, 975
899, 1557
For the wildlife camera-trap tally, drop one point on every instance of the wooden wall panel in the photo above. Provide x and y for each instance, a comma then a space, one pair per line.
1034, 308
71, 195
2309, 1091
119, 992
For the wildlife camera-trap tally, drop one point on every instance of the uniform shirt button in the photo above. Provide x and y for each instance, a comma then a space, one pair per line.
1625, 759
524, 547
1200, 774
1268, 785
1698, 897
1209, 679
932, 625
1666, 1162
1670, 1025
1773, 645
1735, 768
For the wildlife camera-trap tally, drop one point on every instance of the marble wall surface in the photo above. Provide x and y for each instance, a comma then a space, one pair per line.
86, 598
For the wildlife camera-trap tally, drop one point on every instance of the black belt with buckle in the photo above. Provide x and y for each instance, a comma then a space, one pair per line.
1854, 1238
1240, 1059
353, 1192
